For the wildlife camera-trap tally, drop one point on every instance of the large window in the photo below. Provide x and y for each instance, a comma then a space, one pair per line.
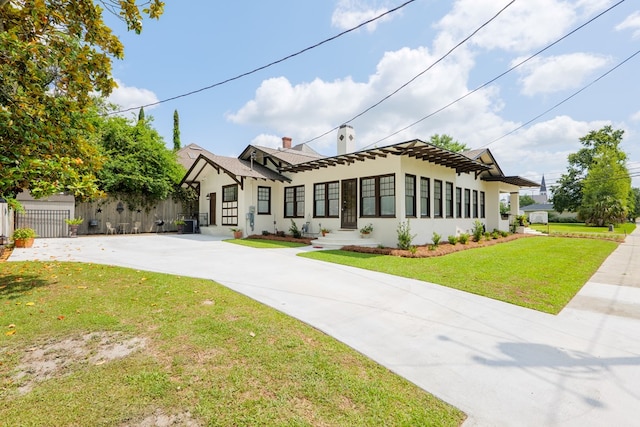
467, 203
425, 184
410, 195
264, 200
230, 205
475, 203
448, 195
437, 198
326, 199
378, 196
482, 205
458, 202
294, 202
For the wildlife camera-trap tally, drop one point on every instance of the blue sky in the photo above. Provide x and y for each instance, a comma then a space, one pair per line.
197, 43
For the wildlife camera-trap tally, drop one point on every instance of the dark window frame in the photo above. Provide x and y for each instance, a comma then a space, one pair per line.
475, 203
448, 196
377, 195
261, 199
437, 198
296, 200
410, 196
458, 202
425, 196
230, 204
483, 202
467, 203
326, 198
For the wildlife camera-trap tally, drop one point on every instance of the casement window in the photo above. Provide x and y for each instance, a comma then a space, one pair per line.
482, 205
378, 196
437, 198
264, 200
467, 203
425, 185
458, 202
294, 202
448, 197
410, 195
230, 204
326, 200
475, 203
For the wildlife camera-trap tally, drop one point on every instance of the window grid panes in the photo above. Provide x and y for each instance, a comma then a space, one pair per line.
475, 203
482, 205
230, 205
264, 200
410, 195
294, 202
437, 198
377, 196
449, 199
424, 197
326, 198
458, 202
467, 203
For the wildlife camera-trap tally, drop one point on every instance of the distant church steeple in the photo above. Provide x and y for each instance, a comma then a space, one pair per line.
542, 198
543, 187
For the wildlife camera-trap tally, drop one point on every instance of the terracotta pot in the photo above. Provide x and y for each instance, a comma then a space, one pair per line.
237, 234
23, 243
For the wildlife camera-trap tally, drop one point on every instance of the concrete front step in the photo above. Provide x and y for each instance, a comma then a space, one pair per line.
339, 238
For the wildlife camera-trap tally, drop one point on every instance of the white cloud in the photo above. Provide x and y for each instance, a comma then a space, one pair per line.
350, 13
636, 116
131, 97
556, 73
632, 22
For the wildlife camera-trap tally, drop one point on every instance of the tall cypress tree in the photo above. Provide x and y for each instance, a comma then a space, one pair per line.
176, 131
141, 114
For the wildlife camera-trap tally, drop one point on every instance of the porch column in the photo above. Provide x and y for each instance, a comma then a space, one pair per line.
514, 203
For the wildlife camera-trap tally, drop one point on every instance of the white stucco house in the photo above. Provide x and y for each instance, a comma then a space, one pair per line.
437, 190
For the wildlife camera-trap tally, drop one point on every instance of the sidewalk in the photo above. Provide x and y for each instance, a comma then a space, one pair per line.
503, 365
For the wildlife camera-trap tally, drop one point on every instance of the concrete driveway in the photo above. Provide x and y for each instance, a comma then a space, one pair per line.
503, 365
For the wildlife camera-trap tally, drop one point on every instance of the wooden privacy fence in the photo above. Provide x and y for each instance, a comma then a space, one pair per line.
97, 214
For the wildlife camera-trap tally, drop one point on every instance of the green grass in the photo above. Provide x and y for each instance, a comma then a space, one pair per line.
542, 273
580, 228
210, 352
266, 244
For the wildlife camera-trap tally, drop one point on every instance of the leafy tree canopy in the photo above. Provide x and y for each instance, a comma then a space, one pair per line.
140, 169
55, 54
597, 184
526, 200
448, 143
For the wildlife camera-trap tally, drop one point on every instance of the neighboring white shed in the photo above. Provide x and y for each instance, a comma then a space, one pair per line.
539, 217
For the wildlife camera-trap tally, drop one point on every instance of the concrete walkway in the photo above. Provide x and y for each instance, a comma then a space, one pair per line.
503, 365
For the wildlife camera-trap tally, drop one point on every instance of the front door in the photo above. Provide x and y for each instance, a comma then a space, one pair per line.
212, 208
349, 214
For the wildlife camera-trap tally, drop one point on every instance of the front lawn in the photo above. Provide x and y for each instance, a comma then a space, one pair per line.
542, 273
95, 345
266, 244
581, 228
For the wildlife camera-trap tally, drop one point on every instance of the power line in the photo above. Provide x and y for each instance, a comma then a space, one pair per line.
497, 77
255, 70
565, 99
416, 76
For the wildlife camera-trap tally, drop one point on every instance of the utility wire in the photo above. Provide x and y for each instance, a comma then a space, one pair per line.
519, 64
565, 99
255, 70
416, 76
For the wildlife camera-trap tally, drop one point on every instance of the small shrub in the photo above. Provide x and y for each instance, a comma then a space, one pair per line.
487, 235
436, 239
294, 230
413, 249
463, 238
477, 230
265, 232
452, 240
495, 234
404, 235
504, 233
280, 233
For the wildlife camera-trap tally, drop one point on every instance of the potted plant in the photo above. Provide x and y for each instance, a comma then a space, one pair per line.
324, 231
73, 224
180, 224
366, 230
237, 233
23, 237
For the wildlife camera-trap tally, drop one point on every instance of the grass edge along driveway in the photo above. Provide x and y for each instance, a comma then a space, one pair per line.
541, 273
199, 352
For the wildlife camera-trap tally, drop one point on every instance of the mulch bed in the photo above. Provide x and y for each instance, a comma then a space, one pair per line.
426, 251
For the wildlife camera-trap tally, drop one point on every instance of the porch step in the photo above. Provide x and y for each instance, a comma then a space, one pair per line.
339, 238
528, 230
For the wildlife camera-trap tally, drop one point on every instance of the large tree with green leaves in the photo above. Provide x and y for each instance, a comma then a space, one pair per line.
597, 184
140, 169
55, 55
448, 143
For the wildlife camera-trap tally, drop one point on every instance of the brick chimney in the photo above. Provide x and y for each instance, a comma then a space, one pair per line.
286, 142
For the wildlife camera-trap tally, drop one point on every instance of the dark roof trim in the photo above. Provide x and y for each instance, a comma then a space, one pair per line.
416, 148
513, 180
